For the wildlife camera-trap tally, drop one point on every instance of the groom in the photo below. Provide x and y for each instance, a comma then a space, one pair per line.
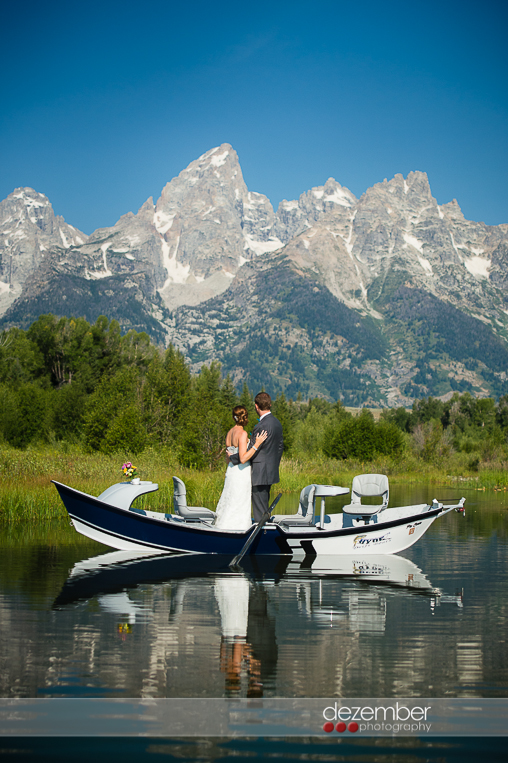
265, 463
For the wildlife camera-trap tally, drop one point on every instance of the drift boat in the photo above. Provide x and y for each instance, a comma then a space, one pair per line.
112, 519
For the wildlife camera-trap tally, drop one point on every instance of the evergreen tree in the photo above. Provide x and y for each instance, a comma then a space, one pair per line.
247, 400
114, 396
204, 436
282, 410
228, 393
166, 396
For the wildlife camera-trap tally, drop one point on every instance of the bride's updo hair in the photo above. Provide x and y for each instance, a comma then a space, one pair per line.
240, 415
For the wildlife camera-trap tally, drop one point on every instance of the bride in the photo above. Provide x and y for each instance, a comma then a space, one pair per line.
234, 510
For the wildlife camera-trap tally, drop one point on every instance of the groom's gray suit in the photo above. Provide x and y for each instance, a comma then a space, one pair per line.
265, 463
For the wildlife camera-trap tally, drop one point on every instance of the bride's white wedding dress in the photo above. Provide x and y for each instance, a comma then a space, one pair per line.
234, 510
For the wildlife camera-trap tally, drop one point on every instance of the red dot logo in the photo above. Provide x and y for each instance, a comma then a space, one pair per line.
353, 726
328, 727
341, 727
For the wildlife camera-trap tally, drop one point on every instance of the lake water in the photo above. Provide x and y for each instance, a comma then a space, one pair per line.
77, 620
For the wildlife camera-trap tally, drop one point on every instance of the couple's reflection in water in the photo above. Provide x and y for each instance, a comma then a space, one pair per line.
248, 650
266, 603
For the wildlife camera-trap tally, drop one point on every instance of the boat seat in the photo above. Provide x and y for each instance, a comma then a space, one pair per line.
305, 514
188, 513
367, 485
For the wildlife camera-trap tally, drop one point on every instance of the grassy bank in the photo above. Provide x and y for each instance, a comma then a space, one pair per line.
26, 492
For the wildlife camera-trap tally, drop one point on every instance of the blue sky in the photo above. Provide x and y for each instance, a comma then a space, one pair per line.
102, 103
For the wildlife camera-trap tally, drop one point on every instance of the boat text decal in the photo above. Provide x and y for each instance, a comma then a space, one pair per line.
368, 540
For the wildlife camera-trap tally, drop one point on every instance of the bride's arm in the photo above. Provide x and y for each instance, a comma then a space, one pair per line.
246, 455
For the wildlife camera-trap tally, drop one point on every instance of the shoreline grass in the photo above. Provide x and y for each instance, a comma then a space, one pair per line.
26, 492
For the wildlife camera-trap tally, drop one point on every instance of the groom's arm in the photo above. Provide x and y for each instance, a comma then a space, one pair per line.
235, 458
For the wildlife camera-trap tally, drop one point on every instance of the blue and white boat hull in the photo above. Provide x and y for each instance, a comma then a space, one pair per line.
125, 528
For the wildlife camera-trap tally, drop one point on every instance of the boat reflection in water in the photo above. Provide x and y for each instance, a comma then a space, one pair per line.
252, 606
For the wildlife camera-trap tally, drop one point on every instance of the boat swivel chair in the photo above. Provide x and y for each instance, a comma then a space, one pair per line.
305, 514
188, 513
366, 485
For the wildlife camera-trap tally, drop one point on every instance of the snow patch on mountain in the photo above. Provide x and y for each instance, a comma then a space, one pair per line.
262, 247
220, 160
339, 196
412, 241
162, 221
177, 273
478, 266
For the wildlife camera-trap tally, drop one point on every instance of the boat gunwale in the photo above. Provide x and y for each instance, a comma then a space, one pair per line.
200, 529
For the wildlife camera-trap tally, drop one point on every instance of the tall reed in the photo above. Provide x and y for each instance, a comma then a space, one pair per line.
26, 492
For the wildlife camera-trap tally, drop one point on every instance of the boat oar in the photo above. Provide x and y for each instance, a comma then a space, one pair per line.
266, 516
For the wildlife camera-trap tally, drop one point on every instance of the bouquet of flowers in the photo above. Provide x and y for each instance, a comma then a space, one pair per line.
129, 470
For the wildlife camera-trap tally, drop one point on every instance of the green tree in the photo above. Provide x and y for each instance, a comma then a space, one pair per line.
204, 437
427, 409
281, 409
247, 400
399, 416
31, 420
228, 393
362, 438
68, 409
166, 396
126, 434
309, 433
8, 411
431, 441
388, 438
502, 412
110, 401
352, 438
20, 359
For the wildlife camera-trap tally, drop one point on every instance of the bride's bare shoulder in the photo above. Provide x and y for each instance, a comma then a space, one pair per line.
236, 436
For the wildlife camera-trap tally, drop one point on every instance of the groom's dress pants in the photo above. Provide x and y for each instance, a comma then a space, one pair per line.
260, 500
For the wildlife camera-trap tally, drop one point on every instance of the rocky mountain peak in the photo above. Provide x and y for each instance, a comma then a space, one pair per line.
209, 224
452, 211
25, 203
29, 229
294, 217
216, 174
409, 193
146, 210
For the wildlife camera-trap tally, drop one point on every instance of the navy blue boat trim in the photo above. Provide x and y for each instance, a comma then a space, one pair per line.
124, 537
308, 548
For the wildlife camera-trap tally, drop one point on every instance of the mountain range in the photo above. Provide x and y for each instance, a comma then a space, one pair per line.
377, 300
